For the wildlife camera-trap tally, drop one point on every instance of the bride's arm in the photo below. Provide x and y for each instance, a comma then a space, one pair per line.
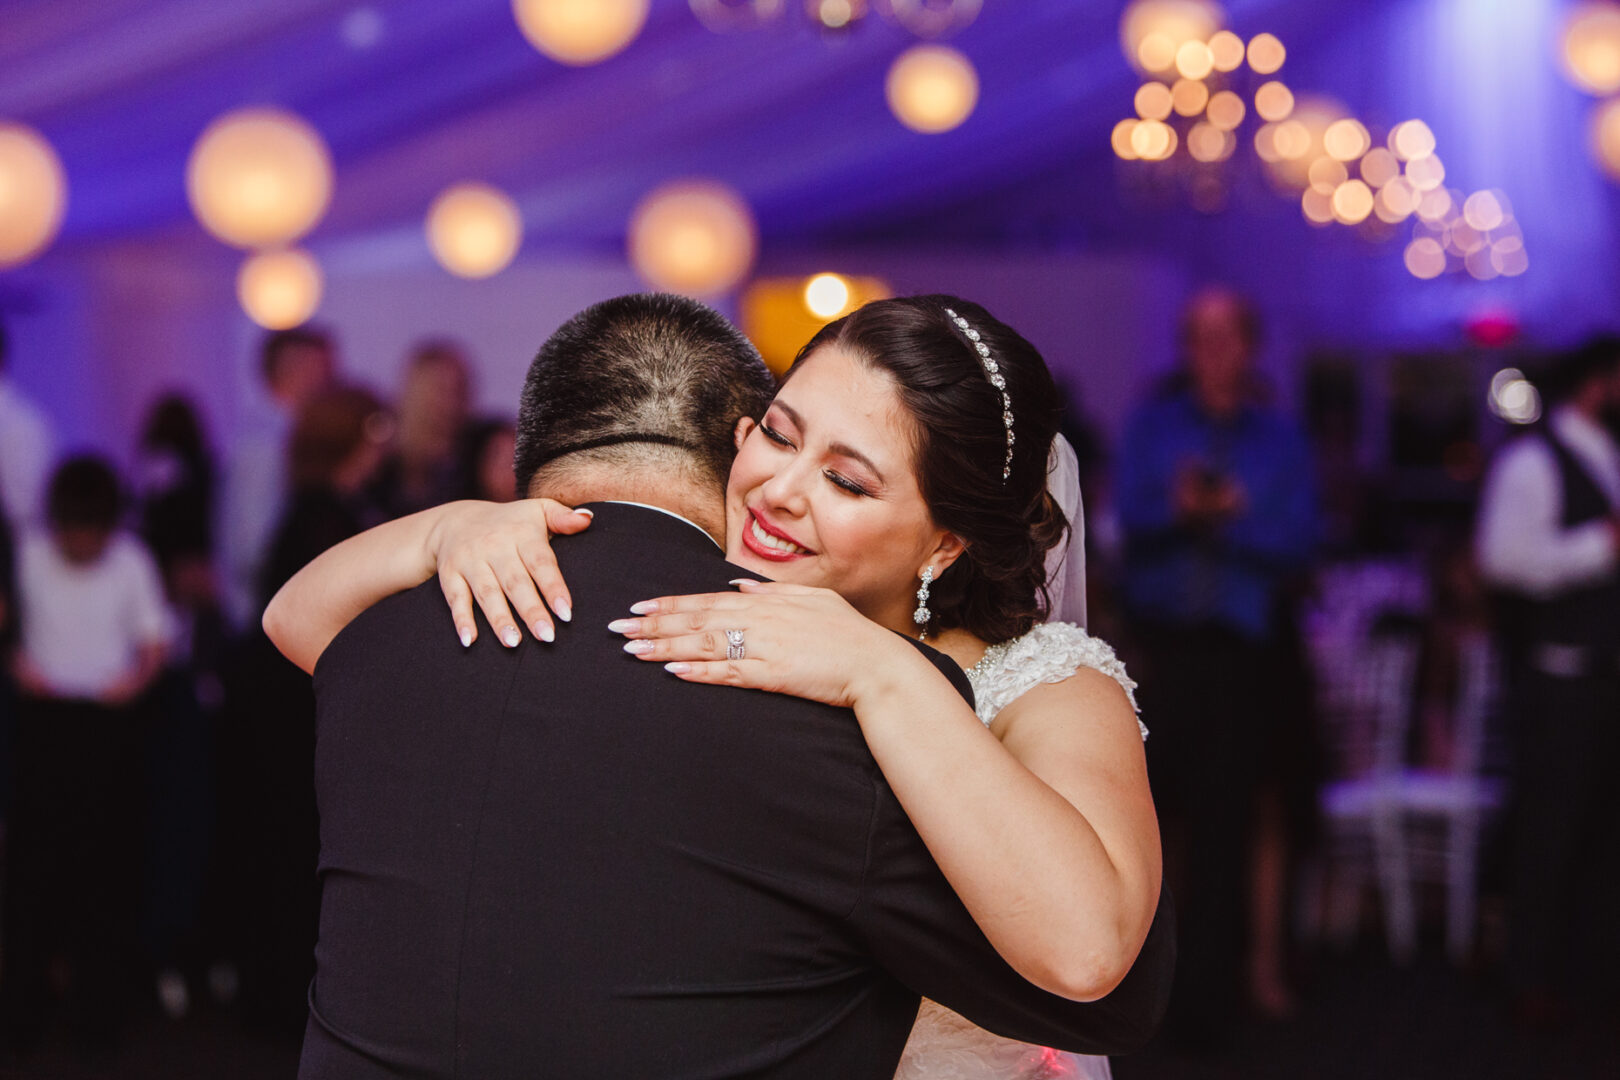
1047, 833
483, 551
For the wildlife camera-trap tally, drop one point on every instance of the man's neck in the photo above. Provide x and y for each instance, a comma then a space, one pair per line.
700, 504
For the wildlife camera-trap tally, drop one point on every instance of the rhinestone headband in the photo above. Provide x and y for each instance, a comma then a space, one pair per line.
992, 371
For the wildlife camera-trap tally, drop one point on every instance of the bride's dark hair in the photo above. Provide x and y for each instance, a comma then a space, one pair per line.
997, 588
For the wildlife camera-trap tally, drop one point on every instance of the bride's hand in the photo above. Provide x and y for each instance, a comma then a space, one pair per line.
501, 552
796, 640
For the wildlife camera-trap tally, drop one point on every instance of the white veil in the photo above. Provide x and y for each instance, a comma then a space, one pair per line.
1066, 562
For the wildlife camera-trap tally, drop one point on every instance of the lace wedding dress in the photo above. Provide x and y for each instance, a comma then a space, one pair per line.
944, 1046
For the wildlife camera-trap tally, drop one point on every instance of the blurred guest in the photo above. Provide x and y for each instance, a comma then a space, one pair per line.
174, 481
1217, 508
294, 365
94, 631
27, 446
340, 438
1549, 538
425, 468
491, 448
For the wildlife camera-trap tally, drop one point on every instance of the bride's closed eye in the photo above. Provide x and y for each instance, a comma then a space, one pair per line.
843, 483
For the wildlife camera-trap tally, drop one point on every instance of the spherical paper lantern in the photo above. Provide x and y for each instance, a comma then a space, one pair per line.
279, 289
693, 236
580, 32
33, 194
1591, 47
259, 177
474, 230
932, 88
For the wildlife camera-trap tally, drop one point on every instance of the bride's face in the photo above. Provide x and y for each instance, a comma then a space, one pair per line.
824, 491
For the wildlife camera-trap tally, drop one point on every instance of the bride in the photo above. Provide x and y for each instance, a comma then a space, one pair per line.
897, 483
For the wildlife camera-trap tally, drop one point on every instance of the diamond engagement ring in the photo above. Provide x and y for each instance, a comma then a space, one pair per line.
734, 645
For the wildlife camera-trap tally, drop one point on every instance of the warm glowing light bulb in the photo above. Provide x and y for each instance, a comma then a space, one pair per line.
1273, 101
33, 194
1591, 47
1154, 101
1225, 110
932, 88
279, 289
259, 177
1425, 258
1345, 140
1194, 60
826, 295
1189, 96
1266, 54
474, 230
1121, 139
1411, 140
580, 32
1226, 49
694, 237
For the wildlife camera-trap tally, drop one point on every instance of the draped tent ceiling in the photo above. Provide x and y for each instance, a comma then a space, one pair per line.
796, 121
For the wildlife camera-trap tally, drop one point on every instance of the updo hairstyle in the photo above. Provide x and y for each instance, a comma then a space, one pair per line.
996, 590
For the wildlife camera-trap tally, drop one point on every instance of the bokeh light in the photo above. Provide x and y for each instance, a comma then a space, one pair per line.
1605, 135
1483, 211
1397, 200
1426, 173
1425, 258
1208, 143
932, 88
827, 295
33, 194
1317, 206
1154, 101
1153, 140
1513, 398
1292, 139
580, 32
1591, 47
1266, 54
1411, 140
1345, 140
1326, 175
1225, 110
258, 177
693, 236
1509, 257
1352, 202
1194, 60
1189, 96
1121, 138
1273, 101
1433, 205
279, 289
474, 230
1226, 49
1379, 167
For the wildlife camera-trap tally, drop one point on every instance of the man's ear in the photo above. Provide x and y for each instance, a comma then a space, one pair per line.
745, 424
946, 551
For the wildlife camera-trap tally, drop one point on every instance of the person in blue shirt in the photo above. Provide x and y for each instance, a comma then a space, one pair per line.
1216, 501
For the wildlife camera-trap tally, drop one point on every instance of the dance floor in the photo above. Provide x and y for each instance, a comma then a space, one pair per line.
1360, 1018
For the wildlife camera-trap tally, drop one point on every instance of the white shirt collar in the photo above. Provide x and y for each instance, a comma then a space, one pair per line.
671, 513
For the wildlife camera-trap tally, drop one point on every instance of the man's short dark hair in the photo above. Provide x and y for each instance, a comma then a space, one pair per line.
649, 369
1598, 356
279, 341
84, 493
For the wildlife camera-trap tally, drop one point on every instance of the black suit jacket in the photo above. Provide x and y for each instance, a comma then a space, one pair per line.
560, 861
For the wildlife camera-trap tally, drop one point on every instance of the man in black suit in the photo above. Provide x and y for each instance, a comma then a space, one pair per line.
553, 860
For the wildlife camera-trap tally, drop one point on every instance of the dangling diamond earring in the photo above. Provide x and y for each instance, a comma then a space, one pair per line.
922, 614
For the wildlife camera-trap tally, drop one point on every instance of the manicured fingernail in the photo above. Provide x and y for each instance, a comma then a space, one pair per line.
677, 668
645, 607
636, 648
466, 636
586, 513
624, 626
563, 611
511, 637
739, 582
544, 632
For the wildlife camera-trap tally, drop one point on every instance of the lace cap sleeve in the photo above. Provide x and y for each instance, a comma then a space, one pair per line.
1049, 653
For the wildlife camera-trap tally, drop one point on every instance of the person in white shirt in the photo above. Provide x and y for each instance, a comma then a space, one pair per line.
27, 444
94, 633
296, 365
1549, 540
